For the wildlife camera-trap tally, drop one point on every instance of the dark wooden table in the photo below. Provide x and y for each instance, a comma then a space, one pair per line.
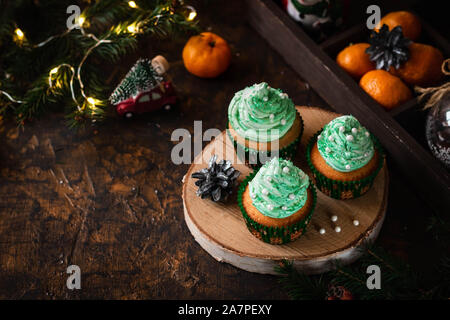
108, 198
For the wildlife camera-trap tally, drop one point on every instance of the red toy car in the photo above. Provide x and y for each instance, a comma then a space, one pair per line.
162, 95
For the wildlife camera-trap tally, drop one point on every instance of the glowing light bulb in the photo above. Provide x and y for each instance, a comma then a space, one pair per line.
132, 4
19, 33
54, 70
81, 20
132, 28
91, 100
192, 13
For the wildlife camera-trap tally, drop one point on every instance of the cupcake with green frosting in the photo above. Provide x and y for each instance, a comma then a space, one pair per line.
277, 201
344, 158
262, 123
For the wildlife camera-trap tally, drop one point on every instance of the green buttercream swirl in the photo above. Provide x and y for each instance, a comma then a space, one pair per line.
279, 189
345, 144
261, 113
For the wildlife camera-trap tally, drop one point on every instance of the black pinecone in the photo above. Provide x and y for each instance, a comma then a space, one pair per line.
388, 48
216, 181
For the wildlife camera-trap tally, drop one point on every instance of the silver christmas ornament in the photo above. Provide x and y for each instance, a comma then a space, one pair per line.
437, 129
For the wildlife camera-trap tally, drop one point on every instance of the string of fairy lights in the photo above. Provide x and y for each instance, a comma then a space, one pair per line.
92, 102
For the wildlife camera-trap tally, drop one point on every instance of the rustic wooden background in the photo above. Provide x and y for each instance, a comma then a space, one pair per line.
108, 198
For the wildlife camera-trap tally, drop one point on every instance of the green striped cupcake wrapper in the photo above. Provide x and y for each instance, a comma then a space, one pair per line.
274, 235
342, 190
252, 156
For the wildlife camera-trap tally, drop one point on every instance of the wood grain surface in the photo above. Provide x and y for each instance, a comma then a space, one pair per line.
108, 198
223, 227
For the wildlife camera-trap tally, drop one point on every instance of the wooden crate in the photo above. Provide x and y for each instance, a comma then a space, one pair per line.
315, 63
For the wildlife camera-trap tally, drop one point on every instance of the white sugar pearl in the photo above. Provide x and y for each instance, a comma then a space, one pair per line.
334, 218
356, 223
337, 229
328, 150
322, 231
347, 167
331, 138
354, 130
266, 99
319, 137
366, 154
283, 122
272, 116
342, 129
265, 192
292, 196
286, 170
349, 138
284, 208
270, 207
367, 133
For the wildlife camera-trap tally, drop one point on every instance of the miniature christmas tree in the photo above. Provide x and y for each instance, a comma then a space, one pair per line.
142, 77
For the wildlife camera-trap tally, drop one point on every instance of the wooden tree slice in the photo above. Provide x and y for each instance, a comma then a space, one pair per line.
220, 228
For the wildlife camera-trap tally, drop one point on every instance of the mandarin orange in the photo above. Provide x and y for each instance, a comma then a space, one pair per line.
409, 22
423, 68
385, 88
354, 60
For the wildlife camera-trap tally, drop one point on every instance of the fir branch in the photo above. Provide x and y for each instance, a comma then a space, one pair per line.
36, 101
300, 286
119, 46
440, 229
375, 256
442, 288
398, 279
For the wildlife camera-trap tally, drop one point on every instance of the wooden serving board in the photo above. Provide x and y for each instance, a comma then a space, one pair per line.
220, 228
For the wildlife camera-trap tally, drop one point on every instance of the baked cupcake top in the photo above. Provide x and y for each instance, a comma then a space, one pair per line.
279, 189
345, 144
261, 113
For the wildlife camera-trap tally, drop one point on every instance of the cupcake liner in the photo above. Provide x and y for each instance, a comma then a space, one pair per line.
252, 156
342, 190
274, 235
